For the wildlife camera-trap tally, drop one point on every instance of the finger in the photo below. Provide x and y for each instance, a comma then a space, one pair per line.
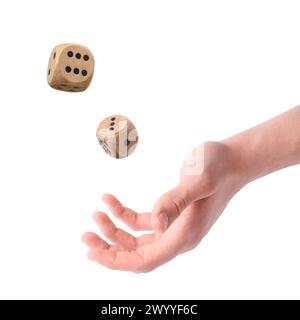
94, 241
113, 233
143, 259
117, 260
169, 207
136, 221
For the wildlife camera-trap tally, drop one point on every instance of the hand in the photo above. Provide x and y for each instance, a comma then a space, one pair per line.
179, 220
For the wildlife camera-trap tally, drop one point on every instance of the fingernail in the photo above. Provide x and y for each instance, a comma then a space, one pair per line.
163, 217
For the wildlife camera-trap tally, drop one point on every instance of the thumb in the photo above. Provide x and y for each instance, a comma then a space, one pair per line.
169, 207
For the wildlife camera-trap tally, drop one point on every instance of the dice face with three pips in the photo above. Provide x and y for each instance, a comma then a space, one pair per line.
70, 68
118, 136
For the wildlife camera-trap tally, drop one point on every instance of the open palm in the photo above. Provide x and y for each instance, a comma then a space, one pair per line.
192, 208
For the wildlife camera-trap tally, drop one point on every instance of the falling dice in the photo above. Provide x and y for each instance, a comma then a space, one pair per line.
118, 136
70, 68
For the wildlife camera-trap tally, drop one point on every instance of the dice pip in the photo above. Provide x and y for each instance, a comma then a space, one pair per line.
70, 68
118, 136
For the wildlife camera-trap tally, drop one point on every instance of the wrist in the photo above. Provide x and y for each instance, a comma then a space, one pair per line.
266, 148
238, 164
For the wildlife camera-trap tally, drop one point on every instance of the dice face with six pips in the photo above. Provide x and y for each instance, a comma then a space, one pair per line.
70, 68
118, 136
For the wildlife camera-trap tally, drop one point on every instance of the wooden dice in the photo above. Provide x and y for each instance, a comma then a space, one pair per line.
118, 136
70, 68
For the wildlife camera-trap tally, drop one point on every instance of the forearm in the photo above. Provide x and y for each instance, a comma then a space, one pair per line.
271, 146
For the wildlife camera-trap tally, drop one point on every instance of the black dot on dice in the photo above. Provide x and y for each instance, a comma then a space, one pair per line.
86, 57
70, 54
111, 128
112, 124
76, 70
84, 73
113, 119
78, 55
49, 71
54, 55
68, 69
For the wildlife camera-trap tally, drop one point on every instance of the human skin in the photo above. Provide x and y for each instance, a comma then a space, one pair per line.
184, 215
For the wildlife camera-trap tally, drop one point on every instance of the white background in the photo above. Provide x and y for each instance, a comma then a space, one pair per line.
183, 72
